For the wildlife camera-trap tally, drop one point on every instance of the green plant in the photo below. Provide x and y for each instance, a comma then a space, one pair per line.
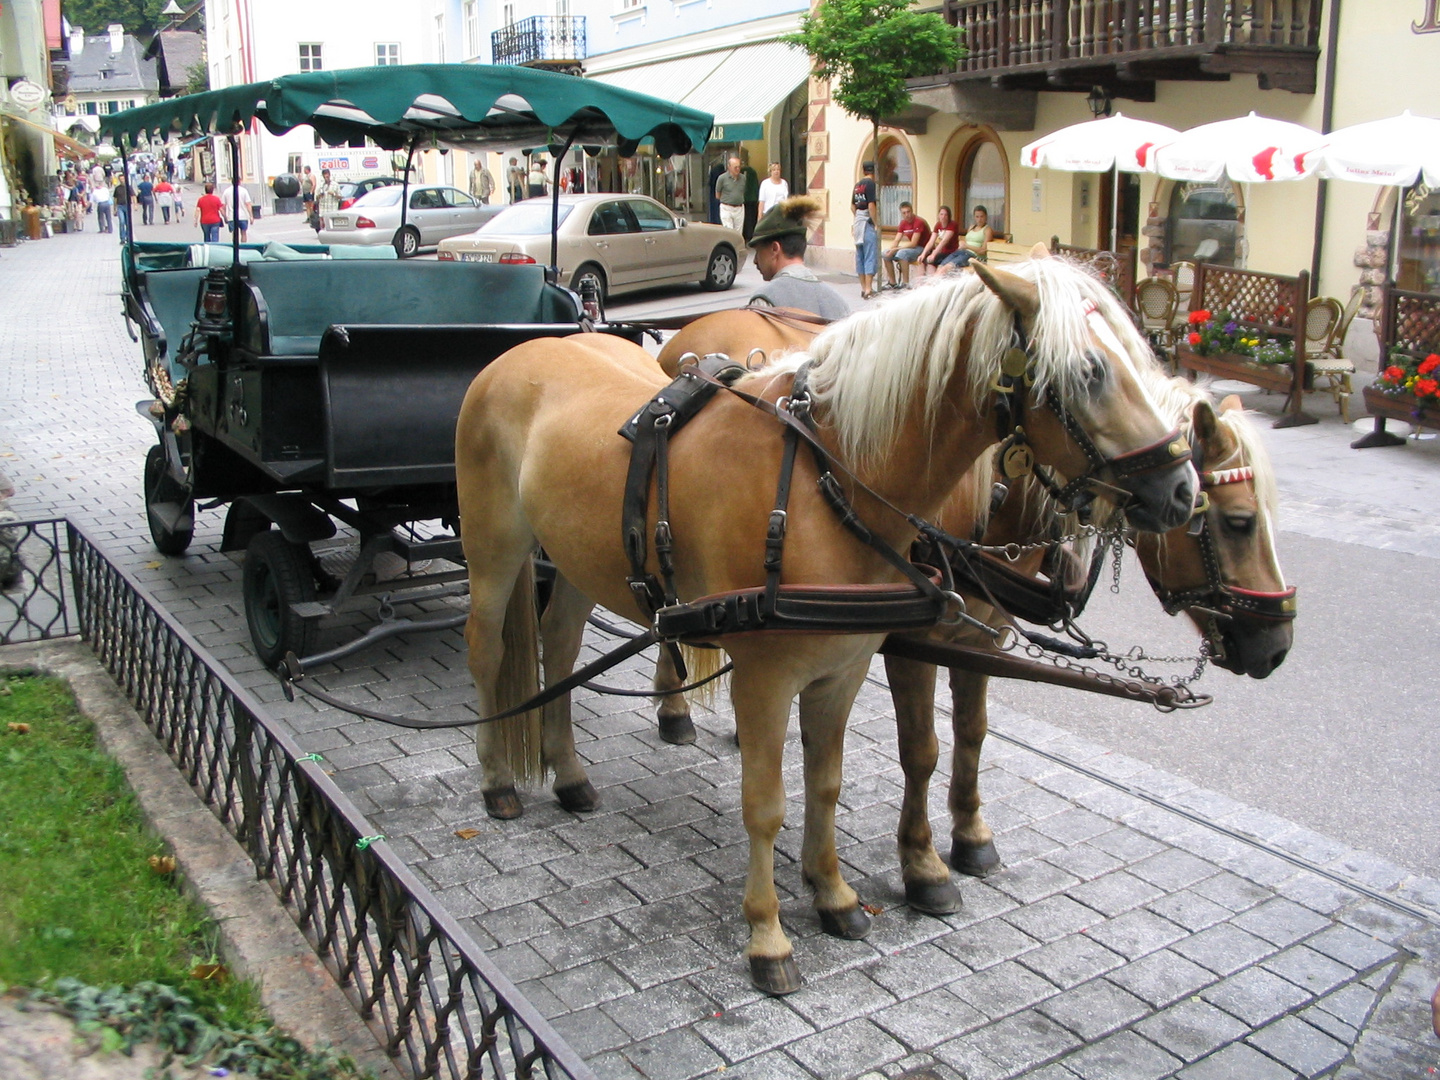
1220, 332
868, 48
1406, 374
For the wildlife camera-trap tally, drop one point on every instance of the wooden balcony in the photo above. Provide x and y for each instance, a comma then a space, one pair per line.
1127, 46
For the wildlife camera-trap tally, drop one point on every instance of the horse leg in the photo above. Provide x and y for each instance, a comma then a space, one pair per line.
824, 708
674, 712
562, 629
972, 844
928, 887
762, 711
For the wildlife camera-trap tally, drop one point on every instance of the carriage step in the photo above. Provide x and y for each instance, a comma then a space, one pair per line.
441, 547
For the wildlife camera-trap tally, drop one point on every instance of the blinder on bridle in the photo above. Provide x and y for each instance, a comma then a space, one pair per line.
1217, 597
1012, 386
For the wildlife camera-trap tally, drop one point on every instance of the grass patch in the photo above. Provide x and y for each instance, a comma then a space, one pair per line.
86, 919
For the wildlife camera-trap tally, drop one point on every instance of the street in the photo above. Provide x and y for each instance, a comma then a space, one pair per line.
1312, 791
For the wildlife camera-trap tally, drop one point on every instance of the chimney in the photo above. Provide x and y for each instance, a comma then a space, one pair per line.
77, 41
117, 37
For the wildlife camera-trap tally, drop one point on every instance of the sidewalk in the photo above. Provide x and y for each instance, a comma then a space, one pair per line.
1145, 925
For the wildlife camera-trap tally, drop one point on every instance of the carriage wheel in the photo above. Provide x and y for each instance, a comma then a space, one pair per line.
168, 507
407, 241
720, 274
277, 574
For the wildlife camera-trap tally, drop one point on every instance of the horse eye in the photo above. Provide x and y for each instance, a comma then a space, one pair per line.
1240, 524
1095, 368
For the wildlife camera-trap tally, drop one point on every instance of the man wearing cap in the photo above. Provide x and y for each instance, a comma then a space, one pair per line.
867, 240
779, 246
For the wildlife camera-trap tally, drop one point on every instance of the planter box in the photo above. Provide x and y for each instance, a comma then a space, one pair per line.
1278, 377
1406, 407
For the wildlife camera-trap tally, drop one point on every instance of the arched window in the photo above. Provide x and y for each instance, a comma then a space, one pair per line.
894, 177
1204, 224
984, 181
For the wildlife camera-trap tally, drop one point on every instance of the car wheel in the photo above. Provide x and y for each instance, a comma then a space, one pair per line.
592, 273
720, 274
407, 241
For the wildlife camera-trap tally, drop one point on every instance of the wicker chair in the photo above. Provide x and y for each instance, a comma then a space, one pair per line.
1182, 274
1331, 364
1156, 303
1322, 316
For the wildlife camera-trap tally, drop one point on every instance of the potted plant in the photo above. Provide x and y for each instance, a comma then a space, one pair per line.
1408, 388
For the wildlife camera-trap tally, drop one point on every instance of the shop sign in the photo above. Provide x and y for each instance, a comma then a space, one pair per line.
26, 93
1430, 22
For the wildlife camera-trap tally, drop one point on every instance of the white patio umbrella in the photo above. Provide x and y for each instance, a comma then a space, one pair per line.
1394, 151
1248, 149
1116, 144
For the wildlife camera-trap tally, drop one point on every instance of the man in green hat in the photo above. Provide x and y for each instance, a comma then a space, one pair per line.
779, 245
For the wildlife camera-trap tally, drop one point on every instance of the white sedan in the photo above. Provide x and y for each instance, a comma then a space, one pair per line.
434, 213
619, 242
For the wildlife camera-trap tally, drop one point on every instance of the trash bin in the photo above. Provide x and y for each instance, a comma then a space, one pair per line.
8, 232
34, 228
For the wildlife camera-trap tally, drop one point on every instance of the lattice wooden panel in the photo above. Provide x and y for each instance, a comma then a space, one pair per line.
1269, 300
1415, 323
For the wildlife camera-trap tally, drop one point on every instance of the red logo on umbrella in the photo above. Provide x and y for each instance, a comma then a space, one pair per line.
1264, 162
1142, 153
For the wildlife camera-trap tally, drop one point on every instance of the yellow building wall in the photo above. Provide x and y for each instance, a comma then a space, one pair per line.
1382, 67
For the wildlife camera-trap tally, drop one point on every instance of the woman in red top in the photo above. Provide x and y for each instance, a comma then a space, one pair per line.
209, 213
164, 198
944, 240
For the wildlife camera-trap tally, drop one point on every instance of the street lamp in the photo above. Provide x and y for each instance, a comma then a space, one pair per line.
1098, 99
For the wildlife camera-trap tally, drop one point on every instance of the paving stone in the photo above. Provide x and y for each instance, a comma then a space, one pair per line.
612, 1066
1023, 1041
1071, 960
752, 1029
1256, 996
660, 1008
1162, 978
1073, 825
1295, 1043
836, 1000
1033, 880
675, 1055
1307, 968
1191, 1029
519, 923
1136, 933
590, 984
1281, 922
772, 1066
575, 906
1004, 989
852, 1047
985, 944
1385, 1056
1122, 1056
1190, 910
1052, 918
1351, 947
1232, 892
1352, 1004
1224, 949
661, 920
1332, 1026
1085, 861
930, 1019
1094, 1009
590, 1032
916, 970
1172, 870
1234, 1061
576, 945
1114, 893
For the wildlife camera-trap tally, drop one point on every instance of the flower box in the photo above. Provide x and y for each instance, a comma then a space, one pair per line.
1396, 405
1277, 377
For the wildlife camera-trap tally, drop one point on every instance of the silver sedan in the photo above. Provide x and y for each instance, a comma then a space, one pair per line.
619, 242
434, 213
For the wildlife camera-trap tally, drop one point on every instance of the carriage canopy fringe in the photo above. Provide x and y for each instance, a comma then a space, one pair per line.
466, 106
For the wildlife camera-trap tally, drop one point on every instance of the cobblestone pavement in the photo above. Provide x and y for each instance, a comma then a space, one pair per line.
1143, 926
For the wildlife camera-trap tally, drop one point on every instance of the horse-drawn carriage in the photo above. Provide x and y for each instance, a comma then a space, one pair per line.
302, 386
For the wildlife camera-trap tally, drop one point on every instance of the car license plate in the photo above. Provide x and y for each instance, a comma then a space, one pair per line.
339, 223
476, 256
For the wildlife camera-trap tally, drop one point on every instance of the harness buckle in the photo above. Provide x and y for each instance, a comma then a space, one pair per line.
775, 540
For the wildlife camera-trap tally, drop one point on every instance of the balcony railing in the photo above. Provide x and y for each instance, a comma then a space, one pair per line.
541, 41
1146, 38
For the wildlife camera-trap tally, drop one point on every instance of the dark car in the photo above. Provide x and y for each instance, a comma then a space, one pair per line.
350, 190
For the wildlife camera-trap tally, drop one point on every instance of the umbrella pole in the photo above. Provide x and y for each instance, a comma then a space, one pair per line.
1394, 268
1115, 208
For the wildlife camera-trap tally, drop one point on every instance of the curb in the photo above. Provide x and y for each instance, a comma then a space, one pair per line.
259, 941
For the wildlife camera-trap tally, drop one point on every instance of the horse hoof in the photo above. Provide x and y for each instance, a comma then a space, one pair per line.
677, 730
851, 924
933, 897
502, 803
976, 860
775, 977
578, 798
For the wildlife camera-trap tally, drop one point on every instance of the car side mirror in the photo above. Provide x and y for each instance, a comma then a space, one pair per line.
683, 222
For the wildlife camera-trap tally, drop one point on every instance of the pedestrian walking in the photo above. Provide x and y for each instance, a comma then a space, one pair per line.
165, 199
730, 190
104, 200
239, 216
537, 179
178, 196
327, 199
307, 192
752, 197
515, 180
209, 214
121, 194
482, 184
145, 196
863, 200
772, 189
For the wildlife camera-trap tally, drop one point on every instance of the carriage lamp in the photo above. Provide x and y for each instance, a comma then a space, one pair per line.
213, 307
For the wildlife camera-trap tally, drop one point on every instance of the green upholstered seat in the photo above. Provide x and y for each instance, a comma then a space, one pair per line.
172, 297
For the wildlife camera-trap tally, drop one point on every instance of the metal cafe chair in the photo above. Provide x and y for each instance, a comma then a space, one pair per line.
1330, 363
1322, 316
1156, 302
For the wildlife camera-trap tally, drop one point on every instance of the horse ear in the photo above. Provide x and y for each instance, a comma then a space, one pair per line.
1205, 421
1018, 293
1231, 403
1039, 251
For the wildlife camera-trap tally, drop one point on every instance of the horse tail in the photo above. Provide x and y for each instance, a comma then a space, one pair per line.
519, 679
701, 664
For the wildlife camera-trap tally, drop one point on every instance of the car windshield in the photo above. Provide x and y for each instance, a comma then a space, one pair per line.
380, 196
524, 219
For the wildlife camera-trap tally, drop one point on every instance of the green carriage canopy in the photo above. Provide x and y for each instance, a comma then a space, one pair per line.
466, 106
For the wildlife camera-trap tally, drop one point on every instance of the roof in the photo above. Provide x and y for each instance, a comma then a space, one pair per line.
178, 51
97, 70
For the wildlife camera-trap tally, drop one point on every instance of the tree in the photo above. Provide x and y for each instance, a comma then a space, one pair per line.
139, 17
868, 48
197, 78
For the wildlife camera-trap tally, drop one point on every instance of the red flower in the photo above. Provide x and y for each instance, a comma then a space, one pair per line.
1394, 375
1194, 339
1427, 388
1429, 364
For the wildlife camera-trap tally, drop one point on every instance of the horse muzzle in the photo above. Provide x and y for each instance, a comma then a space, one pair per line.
1159, 499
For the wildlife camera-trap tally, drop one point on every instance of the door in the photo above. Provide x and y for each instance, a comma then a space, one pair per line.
614, 239
664, 257
429, 213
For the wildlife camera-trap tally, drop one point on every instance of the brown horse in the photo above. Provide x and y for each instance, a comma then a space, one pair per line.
1251, 638
902, 395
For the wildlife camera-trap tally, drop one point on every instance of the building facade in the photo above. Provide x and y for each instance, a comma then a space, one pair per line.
29, 34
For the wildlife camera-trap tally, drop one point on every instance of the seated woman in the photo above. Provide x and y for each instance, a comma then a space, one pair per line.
944, 240
975, 242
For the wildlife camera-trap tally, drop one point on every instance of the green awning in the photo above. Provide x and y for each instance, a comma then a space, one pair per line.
469, 106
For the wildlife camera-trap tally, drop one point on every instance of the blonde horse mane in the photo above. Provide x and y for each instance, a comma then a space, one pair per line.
868, 369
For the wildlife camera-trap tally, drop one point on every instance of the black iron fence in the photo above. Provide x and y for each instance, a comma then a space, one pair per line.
437, 1004
540, 39
34, 593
